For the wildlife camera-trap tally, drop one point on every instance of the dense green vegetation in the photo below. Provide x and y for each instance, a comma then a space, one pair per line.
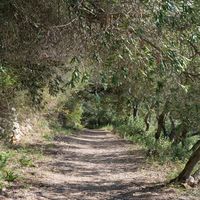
132, 64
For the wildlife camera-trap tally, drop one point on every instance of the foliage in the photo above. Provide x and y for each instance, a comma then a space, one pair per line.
4, 159
163, 151
6, 78
10, 176
6, 174
72, 113
142, 58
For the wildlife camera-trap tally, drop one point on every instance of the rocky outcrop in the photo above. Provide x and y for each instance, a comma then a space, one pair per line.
11, 129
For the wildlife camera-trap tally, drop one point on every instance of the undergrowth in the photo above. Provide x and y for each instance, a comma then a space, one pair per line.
164, 150
15, 159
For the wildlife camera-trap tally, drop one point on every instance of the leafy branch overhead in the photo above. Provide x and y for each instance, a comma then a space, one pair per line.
120, 59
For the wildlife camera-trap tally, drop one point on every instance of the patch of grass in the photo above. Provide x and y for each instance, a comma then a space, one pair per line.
56, 130
48, 136
4, 156
108, 127
10, 176
13, 158
34, 152
25, 161
6, 172
174, 172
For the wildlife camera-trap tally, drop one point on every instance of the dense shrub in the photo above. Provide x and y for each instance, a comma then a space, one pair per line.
163, 150
71, 114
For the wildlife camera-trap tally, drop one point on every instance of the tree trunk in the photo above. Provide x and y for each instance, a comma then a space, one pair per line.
184, 135
62, 119
173, 129
146, 121
135, 110
185, 174
179, 134
161, 126
195, 146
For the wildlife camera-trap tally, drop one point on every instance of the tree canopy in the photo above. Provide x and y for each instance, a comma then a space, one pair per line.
129, 58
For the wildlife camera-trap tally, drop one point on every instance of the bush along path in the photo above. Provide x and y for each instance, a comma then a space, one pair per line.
92, 165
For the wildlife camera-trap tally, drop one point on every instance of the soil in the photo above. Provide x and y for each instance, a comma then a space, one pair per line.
92, 165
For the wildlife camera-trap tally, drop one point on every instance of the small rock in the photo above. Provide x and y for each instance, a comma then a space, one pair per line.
191, 181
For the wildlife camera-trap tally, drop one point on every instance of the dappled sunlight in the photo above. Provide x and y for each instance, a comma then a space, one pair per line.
93, 165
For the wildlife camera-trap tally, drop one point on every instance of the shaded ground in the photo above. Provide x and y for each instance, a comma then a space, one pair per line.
92, 165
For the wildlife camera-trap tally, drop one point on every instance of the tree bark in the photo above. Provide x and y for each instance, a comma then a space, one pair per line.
178, 134
185, 174
195, 146
135, 110
173, 129
146, 121
161, 126
184, 135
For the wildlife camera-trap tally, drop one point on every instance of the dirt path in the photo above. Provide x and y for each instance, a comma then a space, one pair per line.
92, 165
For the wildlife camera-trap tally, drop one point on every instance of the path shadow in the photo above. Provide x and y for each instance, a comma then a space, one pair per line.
92, 165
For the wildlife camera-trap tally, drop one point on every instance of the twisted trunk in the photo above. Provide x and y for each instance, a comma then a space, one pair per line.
185, 174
